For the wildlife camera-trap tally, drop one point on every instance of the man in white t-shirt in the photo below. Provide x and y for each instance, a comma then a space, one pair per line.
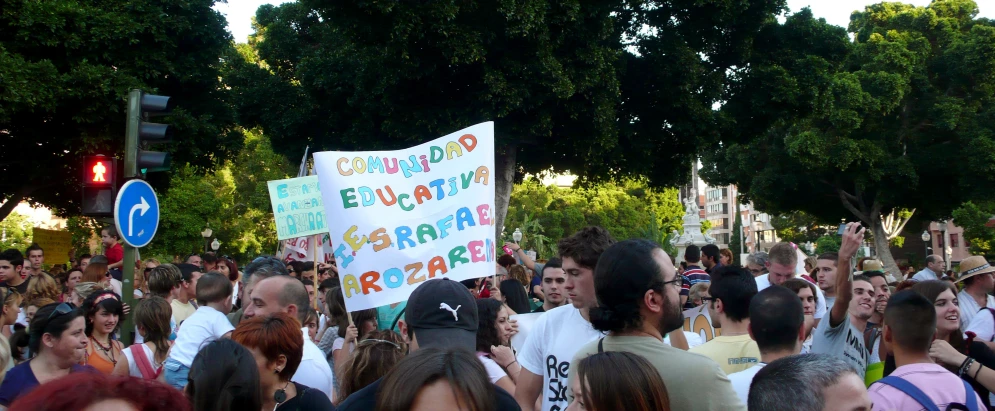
782, 261
560, 333
287, 294
777, 323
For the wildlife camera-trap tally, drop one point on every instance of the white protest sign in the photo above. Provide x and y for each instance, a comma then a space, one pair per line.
403, 217
697, 321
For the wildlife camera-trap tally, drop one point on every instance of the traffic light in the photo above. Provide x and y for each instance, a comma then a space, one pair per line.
140, 133
99, 185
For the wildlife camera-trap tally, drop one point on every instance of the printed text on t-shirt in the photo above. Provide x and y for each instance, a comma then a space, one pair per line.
557, 373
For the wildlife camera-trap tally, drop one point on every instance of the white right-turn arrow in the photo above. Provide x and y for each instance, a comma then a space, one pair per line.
143, 207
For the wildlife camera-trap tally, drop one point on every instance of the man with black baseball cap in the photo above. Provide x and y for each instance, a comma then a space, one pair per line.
440, 313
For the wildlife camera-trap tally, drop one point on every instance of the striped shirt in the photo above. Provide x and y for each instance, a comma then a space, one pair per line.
693, 275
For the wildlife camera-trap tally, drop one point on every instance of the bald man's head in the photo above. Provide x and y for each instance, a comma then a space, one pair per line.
278, 294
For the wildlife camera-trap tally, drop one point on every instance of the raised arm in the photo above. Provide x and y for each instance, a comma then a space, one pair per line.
853, 238
526, 261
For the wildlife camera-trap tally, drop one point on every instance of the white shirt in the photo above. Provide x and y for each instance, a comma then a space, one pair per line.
555, 337
205, 325
133, 365
820, 307
694, 339
969, 309
494, 371
314, 371
925, 275
741, 381
116, 286
983, 326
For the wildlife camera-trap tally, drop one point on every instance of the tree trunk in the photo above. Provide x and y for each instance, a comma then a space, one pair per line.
10, 203
883, 247
504, 180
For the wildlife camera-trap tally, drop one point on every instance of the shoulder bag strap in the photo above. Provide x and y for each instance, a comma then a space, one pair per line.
910, 390
138, 352
601, 345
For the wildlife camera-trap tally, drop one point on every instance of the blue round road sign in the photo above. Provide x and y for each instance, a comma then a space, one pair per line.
136, 213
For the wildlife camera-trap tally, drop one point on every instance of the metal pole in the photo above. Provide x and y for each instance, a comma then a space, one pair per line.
134, 120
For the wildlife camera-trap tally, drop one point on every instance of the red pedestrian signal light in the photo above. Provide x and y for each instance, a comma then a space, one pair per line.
99, 186
99, 171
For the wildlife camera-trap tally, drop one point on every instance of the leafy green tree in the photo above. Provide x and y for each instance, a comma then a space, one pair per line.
629, 209
234, 201
828, 244
864, 128
799, 227
15, 232
564, 89
81, 231
973, 217
66, 68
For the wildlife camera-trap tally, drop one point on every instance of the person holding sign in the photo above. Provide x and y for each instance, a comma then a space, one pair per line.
638, 290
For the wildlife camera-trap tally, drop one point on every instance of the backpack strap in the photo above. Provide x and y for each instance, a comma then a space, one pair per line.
601, 345
144, 366
972, 400
910, 390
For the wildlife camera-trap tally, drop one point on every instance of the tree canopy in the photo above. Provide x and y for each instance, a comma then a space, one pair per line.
602, 89
899, 118
66, 68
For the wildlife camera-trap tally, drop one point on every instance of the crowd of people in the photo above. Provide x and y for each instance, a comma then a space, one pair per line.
609, 334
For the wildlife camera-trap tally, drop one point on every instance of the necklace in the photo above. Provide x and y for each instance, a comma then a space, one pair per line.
108, 352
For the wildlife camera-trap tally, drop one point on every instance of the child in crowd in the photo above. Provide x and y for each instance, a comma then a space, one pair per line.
208, 323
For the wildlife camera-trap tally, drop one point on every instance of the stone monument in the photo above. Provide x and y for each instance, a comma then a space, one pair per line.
692, 228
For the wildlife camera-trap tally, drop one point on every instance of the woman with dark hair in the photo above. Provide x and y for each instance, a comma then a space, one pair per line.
810, 299
364, 323
67, 281
274, 342
437, 379
512, 293
950, 349
102, 311
145, 359
374, 358
618, 380
95, 391
227, 267
57, 342
224, 376
493, 338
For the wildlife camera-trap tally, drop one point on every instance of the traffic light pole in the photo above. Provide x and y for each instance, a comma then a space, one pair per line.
130, 171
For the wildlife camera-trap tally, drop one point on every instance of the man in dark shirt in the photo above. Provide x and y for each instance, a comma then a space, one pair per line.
11, 263
440, 313
710, 257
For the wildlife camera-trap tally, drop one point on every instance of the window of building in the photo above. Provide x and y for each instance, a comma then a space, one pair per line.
954, 241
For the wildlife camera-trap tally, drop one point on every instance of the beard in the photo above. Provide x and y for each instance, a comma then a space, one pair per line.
673, 317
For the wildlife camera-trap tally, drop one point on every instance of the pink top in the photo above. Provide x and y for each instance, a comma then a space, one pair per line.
942, 386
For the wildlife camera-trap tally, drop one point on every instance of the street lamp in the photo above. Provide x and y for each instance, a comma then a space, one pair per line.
215, 245
207, 235
925, 238
517, 235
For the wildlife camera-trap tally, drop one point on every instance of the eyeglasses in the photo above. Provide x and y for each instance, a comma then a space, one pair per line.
677, 282
60, 309
706, 300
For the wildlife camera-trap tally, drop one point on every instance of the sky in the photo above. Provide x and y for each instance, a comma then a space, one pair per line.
240, 12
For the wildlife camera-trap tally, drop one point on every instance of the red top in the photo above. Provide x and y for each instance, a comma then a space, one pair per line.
114, 254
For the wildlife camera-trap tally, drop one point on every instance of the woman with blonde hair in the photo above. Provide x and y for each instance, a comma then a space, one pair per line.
82, 291
520, 273
42, 286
